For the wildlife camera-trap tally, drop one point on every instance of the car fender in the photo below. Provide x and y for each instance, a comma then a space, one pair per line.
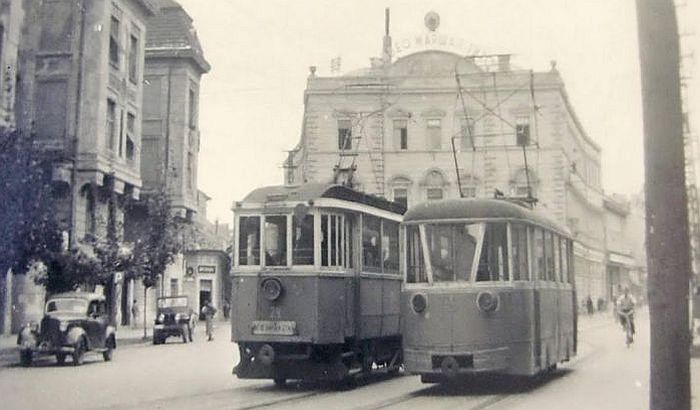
75, 334
26, 338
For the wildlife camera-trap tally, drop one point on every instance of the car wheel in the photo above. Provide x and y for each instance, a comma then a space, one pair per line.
107, 354
184, 336
61, 358
25, 357
79, 353
157, 339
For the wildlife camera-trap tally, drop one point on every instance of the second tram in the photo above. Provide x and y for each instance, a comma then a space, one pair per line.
315, 283
489, 288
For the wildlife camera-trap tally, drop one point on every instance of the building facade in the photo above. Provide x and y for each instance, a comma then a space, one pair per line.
434, 124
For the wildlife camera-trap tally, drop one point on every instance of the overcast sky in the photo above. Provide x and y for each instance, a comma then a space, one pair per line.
251, 102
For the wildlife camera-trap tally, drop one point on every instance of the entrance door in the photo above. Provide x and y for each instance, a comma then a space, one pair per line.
205, 290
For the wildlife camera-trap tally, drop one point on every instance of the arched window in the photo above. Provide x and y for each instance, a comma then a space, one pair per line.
434, 183
519, 183
400, 187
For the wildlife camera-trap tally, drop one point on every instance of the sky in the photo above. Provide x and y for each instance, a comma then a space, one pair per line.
251, 102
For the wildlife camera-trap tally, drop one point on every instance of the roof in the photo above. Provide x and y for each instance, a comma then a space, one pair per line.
313, 190
170, 34
478, 208
78, 295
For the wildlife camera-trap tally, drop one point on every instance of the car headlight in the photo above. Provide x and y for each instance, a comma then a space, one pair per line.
160, 318
63, 326
177, 317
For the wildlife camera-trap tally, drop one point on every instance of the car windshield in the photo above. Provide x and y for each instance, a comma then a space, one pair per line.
172, 302
66, 305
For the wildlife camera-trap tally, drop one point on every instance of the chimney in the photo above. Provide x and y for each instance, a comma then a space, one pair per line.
386, 45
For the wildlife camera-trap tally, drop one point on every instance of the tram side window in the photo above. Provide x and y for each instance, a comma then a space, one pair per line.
538, 254
564, 260
303, 240
518, 238
415, 269
493, 262
548, 255
371, 244
390, 246
332, 234
276, 240
248, 240
348, 241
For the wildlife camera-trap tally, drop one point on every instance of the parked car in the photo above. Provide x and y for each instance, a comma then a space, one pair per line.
174, 317
73, 324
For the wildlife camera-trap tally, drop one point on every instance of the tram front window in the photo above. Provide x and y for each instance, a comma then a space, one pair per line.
303, 240
248, 240
451, 250
276, 240
493, 262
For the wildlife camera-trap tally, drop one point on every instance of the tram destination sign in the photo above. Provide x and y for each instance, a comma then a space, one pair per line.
278, 327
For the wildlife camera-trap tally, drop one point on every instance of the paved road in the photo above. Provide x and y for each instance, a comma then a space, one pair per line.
182, 376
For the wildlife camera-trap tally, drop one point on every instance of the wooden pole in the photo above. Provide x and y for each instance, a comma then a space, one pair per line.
668, 253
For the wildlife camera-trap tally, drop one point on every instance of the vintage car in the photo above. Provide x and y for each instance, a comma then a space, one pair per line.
73, 324
174, 317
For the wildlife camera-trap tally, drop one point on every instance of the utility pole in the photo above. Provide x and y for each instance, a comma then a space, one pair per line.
668, 254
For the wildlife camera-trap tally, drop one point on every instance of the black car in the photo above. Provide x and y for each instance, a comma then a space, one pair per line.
174, 317
73, 323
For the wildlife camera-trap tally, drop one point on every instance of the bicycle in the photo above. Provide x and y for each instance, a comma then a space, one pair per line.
627, 316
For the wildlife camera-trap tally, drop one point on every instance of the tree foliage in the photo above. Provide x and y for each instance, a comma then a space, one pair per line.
157, 239
28, 229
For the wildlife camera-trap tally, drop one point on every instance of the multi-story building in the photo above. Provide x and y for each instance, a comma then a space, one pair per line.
434, 124
175, 64
81, 96
11, 16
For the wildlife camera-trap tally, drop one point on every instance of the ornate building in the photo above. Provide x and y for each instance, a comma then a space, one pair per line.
434, 123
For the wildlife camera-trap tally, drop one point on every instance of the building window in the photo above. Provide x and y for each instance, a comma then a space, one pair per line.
120, 132
468, 191
114, 42
401, 134
174, 287
401, 196
434, 194
111, 124
193, 109
190, 170
344, 135
522, 131
89, 211
130, 131
434, 134
466, 133
133, 58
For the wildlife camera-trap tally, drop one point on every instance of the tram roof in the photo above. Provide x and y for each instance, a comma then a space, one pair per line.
478, 208
313, 190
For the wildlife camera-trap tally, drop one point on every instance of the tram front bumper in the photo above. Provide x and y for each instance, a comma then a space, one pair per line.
451, 363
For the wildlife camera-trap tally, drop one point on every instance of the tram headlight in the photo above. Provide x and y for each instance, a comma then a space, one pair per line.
271, 289
487, 301
419, 302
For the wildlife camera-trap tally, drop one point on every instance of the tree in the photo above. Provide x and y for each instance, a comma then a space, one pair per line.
28, 229
157, 241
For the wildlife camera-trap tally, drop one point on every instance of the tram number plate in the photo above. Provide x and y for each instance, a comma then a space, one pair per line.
267, 327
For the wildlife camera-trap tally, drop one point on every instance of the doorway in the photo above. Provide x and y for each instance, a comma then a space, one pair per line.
205, 290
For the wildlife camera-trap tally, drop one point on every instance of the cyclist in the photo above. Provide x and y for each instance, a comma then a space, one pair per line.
625, 309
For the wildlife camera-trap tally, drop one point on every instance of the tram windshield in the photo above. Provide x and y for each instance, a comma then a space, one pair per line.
457, 252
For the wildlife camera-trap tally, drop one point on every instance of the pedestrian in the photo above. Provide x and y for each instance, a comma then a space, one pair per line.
589, 305
134, 313
227, 309
209, 311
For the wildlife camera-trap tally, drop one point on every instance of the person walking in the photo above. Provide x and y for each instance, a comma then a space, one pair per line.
227, 309
209, 311
134, 313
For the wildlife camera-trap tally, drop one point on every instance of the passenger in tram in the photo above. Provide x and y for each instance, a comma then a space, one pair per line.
442, 266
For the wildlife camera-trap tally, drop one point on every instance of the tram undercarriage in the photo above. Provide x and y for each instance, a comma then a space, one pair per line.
304, 361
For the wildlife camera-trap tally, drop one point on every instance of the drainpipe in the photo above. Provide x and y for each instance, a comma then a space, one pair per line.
76, 130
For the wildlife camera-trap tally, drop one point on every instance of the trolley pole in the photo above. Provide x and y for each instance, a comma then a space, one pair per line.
668, 253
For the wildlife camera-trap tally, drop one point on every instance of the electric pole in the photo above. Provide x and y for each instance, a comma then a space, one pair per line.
668, 254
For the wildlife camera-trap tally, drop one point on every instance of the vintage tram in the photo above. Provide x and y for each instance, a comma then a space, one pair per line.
315, 283
489, 288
